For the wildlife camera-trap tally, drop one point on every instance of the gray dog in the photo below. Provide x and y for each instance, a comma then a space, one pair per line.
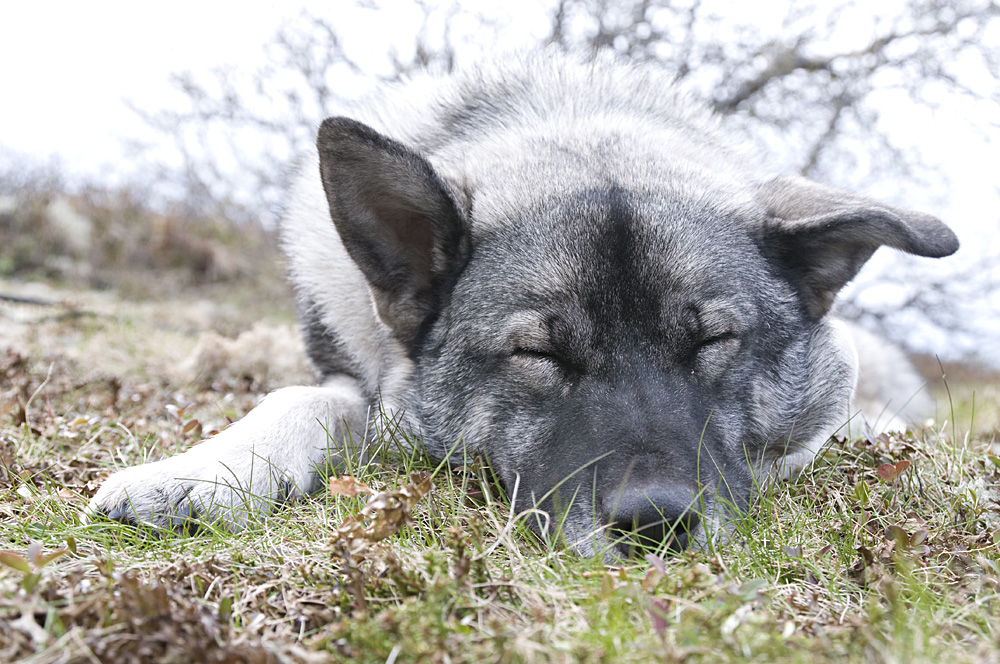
568, 269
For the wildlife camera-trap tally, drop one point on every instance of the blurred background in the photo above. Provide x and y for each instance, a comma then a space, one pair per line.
144, 149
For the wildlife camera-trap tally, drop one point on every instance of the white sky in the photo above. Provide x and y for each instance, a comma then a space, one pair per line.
66, 68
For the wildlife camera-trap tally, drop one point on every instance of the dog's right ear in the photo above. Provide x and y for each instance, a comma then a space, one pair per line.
396, 217
822, 235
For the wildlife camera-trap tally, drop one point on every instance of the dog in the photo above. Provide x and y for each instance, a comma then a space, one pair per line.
568, 268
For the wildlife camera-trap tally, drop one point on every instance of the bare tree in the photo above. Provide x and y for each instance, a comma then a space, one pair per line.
811, 83
810, 89
237, 134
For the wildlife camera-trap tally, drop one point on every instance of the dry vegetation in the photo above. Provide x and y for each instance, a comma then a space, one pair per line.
91, 237
884, 550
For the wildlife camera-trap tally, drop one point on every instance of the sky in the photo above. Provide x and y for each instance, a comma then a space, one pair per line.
70, 67
70, 70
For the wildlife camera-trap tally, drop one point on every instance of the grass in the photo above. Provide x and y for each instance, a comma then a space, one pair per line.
885, 549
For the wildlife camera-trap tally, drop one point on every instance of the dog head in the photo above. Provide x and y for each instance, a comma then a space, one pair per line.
630, 344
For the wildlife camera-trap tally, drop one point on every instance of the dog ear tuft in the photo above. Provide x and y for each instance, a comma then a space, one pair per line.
396, 217
824, 235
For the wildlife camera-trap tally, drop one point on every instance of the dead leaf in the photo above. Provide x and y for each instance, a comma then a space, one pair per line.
658, 613
656, 563
15, 561
887, 472
898, 535
348, 486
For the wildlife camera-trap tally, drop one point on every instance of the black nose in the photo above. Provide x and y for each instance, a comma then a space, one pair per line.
649, 517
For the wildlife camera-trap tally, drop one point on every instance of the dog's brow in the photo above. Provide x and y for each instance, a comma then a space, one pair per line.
718, 318
527, 329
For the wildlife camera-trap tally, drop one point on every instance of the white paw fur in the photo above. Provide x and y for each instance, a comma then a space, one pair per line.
270, 456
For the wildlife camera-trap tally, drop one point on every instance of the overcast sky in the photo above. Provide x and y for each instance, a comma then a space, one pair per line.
68, 67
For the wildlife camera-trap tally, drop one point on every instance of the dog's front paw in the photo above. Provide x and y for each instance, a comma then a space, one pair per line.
185, 491
148, 494
267, 458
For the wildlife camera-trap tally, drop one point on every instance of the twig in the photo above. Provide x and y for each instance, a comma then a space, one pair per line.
20, 299
27, 404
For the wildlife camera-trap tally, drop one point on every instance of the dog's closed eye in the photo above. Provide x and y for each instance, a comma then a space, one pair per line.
714, 353
535, 354
726, 339
548, 362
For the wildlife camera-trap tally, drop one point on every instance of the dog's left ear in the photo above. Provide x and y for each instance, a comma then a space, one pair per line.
396, 217
823, 235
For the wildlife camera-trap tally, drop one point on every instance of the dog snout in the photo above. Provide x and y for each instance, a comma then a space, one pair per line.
650, 517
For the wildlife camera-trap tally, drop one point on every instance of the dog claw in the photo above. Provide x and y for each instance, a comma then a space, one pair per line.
122, 514
185, 519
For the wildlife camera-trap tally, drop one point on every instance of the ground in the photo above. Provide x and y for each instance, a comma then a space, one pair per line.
886, 549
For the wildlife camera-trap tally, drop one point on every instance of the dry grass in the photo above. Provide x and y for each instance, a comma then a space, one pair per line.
884, 550
844, 562
115, 239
